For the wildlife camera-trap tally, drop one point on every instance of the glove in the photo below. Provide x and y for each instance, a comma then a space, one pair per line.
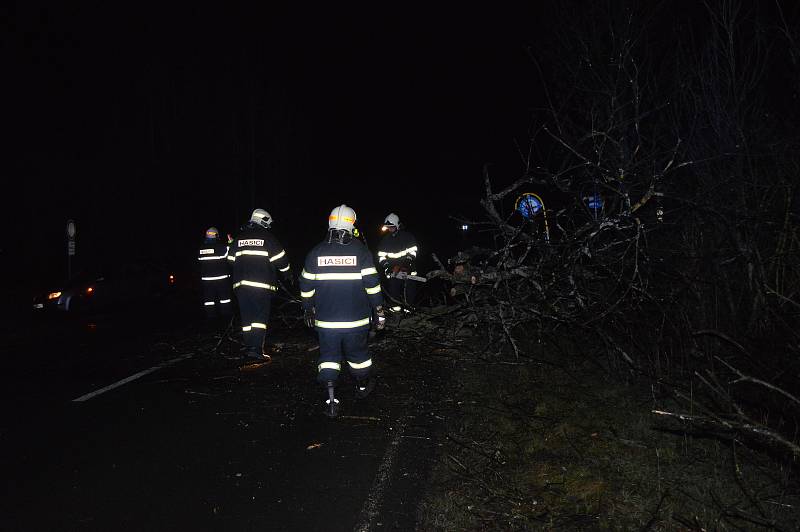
380, 319
308, 317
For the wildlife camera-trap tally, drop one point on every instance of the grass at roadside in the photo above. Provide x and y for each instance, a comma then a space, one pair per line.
552, 442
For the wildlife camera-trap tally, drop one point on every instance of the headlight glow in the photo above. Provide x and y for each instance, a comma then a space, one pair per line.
53, 295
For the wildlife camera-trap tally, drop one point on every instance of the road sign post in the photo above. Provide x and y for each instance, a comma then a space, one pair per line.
70, 246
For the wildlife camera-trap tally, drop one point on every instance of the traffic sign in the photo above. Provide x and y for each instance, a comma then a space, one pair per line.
595, 202
529, 205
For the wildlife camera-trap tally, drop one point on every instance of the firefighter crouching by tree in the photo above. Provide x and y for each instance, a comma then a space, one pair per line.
215, 275
397, 255
341, 291
465, 276
256, 256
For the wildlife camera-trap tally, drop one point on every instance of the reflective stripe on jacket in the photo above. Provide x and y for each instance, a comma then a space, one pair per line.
256, 256
397, 249
341, 282
212, 259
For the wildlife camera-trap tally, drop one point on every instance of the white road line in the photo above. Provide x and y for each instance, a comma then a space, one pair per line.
126, 380
371, 508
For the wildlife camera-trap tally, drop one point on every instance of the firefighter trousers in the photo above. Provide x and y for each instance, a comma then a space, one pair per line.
335, 344
217, 297
254, 307
401, 291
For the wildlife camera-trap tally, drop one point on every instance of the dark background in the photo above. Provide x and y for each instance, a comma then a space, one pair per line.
147, 126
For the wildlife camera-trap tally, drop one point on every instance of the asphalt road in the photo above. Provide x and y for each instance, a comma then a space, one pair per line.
130, 421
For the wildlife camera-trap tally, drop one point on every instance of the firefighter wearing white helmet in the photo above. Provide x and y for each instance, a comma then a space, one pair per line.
215, 275
341, 293
257, 258
262, 218
397, 255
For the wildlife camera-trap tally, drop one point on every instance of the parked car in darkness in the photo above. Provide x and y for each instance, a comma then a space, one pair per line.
117, 286
65, 297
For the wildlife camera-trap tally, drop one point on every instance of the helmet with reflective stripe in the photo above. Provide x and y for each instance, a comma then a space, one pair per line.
261, 217
342, 217
212, 233
392, 220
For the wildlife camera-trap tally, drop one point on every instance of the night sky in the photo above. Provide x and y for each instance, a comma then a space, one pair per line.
148, 126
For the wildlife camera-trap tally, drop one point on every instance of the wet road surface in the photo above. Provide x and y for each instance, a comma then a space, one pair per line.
127, 423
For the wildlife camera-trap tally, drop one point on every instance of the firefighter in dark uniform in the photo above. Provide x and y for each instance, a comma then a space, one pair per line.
215, 275
256, 256
397, 255
341, 293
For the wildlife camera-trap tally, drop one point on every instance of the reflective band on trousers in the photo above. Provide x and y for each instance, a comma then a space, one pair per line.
341, 324
224, 300
286, 269
246, 328
208, 303
307, 294
360, 365
252, 252
256, 325
215, 278
254, 284
276, 257
330, 365
374, 290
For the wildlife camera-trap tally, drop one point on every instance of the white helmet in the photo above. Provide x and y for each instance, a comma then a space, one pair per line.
392, 220
342, 217
262, 218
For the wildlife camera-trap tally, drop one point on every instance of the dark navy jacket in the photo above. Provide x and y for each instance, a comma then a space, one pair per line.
256, 254
398, 249
212, 255
341, 283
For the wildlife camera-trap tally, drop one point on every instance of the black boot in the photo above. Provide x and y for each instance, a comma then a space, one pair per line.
253, 353
364, 387
331, 404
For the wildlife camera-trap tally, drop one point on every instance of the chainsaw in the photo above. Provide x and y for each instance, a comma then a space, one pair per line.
404, 275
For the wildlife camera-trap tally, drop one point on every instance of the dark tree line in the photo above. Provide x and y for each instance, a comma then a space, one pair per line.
688, 277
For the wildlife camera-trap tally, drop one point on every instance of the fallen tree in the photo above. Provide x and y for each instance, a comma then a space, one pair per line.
689, 277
